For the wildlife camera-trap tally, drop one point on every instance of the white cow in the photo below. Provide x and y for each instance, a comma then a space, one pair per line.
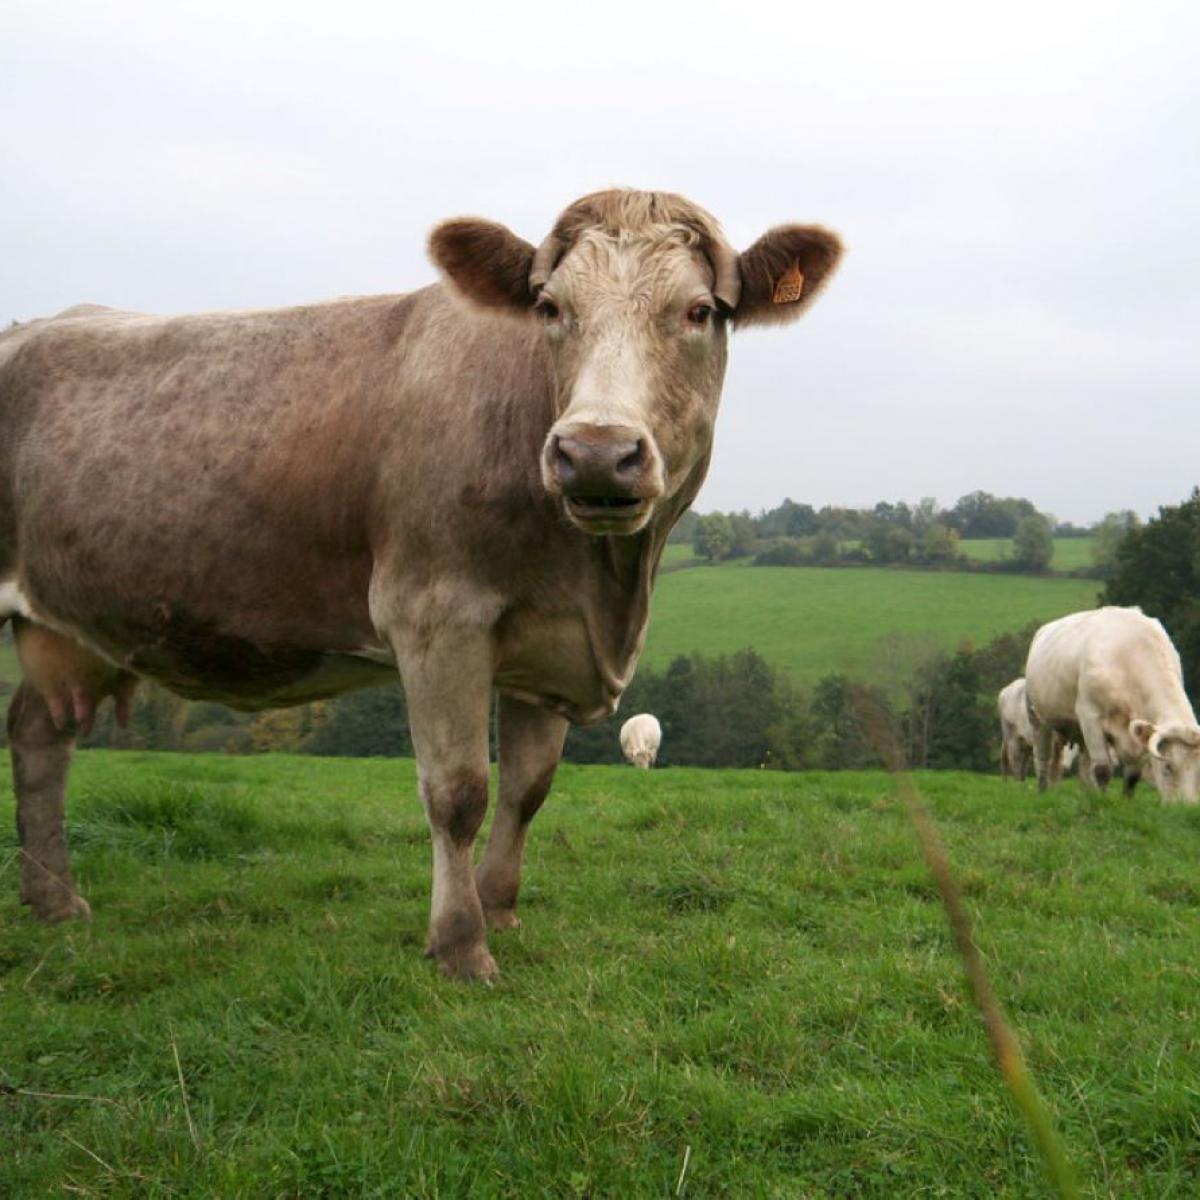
1111, 679
641, 737
1018, 737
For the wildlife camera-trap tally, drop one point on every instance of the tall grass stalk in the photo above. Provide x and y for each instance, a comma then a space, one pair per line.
1005, 1046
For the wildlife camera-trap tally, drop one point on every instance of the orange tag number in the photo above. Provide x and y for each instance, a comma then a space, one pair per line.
789, 287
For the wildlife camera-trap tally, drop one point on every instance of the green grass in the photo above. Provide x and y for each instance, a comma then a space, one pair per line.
1070, 554
870, 623
744, 969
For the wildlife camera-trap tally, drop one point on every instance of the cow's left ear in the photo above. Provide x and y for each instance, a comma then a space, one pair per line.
782, 273
484, 262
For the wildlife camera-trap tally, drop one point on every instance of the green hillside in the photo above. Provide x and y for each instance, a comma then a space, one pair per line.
870, 623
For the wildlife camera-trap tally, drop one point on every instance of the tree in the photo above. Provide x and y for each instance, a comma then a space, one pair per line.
939, 543
1033, 543
982, 515
1158, 568
714, 537
372, 722
950, 721
742, 537
1108, 536
685, 528
888, 543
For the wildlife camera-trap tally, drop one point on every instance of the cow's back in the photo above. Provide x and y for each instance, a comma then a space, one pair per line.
194, 488
1107, 658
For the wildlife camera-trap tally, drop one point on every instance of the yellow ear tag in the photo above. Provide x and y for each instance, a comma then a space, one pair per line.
789, 287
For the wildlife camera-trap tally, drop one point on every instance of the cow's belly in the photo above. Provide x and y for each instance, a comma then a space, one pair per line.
257, 665
282, 677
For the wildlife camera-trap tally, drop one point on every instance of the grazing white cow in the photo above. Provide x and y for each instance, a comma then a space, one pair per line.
641, 737
1111, 680
1017, 737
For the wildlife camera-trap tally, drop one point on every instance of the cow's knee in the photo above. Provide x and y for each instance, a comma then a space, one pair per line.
456, 806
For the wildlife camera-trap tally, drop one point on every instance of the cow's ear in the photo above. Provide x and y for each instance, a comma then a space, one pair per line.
1142, 731
782, 273
485, 262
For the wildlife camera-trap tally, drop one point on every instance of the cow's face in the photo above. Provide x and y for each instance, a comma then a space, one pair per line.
1173, 756
634, 293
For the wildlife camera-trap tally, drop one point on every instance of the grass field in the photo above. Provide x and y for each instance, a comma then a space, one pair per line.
870, 623
728, 984
1070, 554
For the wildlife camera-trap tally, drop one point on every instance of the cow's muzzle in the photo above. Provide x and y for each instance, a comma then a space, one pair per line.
607, 475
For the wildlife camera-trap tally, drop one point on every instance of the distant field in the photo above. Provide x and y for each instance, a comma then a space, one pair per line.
1070, 554
867, 622
729, 983
678, 553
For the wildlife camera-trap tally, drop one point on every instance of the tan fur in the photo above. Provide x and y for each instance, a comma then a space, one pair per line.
263, 508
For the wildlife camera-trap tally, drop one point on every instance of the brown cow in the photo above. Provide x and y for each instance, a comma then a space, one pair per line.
471, 483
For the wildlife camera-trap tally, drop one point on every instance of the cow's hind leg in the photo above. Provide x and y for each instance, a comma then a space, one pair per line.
63, 686
41, 757
530, 742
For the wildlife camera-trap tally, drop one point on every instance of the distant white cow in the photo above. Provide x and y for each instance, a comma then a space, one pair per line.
641, 737
1017, 737
1111, 680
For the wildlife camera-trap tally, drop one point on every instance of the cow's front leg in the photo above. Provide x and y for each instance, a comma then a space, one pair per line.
530, 744
448, 689
1043, 737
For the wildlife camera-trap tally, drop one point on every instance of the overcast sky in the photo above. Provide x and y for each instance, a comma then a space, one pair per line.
1018, 186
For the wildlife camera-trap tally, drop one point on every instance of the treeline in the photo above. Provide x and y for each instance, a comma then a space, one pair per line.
725, 711
737, 711
923, 534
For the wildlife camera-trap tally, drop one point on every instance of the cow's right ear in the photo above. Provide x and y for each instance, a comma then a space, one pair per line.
484, 262
1143, 731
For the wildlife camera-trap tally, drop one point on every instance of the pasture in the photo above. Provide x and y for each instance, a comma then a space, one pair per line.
869, 623
1070, 554
728, 984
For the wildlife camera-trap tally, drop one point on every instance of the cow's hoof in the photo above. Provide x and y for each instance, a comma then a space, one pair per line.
66, 908
502, 918
475, 963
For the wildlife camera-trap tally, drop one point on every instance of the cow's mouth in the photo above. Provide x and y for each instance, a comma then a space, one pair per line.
607, 514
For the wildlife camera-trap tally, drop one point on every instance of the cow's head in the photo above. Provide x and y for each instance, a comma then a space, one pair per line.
635, 293
1173, 756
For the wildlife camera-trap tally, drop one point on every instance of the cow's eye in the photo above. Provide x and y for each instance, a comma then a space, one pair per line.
699, 314
547, 309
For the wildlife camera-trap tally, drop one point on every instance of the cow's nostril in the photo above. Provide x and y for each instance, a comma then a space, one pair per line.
562, 459
633, 460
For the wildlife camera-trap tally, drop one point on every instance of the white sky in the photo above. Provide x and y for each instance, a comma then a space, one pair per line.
1018, 185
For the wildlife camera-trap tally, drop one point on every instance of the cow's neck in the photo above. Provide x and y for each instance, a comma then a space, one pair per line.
627, 567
